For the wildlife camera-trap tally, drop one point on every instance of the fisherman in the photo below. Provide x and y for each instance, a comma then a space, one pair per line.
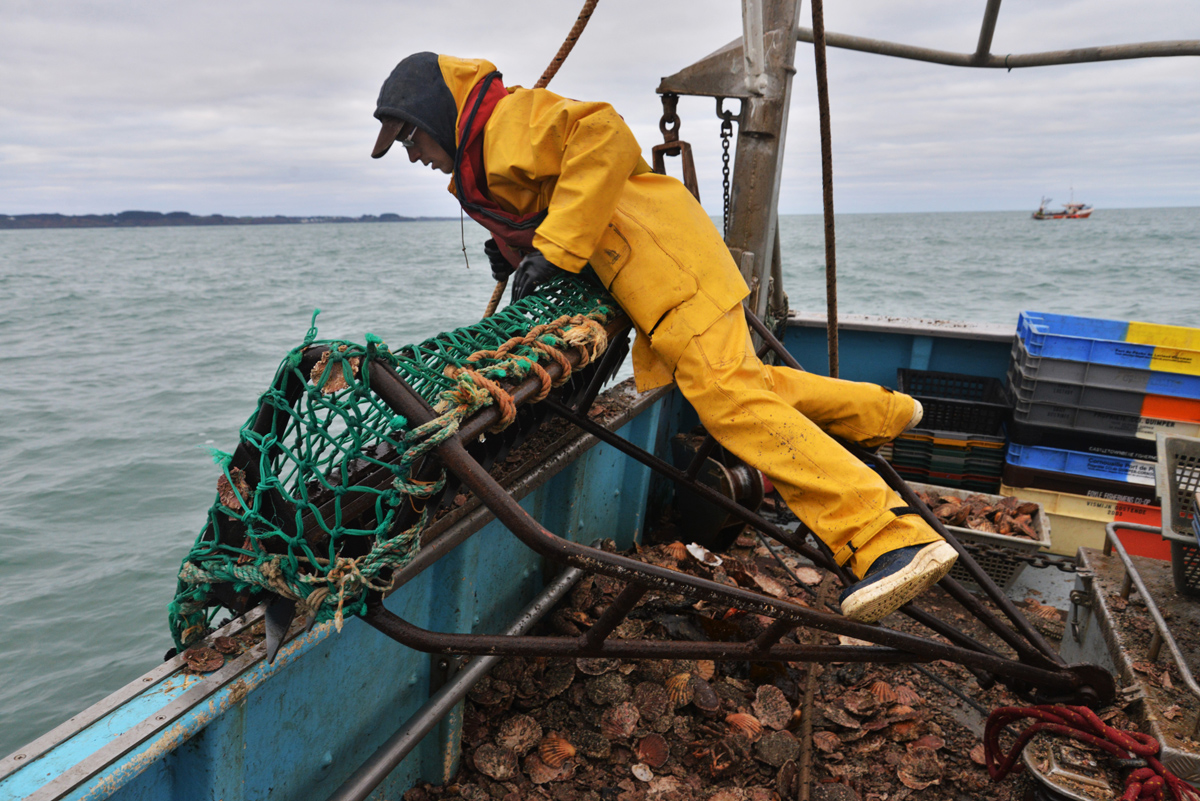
561, 185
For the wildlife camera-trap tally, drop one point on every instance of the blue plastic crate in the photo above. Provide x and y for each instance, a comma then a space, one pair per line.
1092, 339
1091, 465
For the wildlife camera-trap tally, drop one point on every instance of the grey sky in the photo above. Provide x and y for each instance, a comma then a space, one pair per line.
264, 106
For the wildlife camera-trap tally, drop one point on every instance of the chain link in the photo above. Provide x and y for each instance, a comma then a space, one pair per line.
726, 133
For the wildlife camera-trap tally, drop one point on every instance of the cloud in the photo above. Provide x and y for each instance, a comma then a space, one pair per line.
265, 107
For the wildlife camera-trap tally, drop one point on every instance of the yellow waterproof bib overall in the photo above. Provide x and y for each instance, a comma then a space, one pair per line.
663, 260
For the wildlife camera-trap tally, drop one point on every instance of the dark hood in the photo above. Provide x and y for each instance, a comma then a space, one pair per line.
416, 92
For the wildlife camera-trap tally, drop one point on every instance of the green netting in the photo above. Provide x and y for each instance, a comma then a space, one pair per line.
335, 456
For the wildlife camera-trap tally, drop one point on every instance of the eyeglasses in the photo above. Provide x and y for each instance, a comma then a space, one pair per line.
405, 137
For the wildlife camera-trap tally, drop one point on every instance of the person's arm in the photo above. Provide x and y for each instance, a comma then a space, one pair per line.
593, 153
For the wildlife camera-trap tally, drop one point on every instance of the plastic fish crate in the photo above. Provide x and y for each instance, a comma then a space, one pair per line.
1053, 436
1102, 510
1086, 465
1092, 421
1145, 346
1026, 477
1002, 570
1101, 376
956, 402
1178, 483
1120, 401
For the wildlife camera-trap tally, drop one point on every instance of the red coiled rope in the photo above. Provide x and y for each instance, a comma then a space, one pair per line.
1081, 723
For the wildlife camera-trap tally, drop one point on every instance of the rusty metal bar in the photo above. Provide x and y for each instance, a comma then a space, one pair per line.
371, 773
1081, 55
1078, 680
772, 634
745, 515
670, 471
986, 30
985, 582
621, 606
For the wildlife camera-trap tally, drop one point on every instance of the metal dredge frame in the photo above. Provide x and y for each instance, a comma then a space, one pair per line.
1037, 671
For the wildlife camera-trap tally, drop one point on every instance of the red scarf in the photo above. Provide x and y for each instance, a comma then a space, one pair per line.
512, 232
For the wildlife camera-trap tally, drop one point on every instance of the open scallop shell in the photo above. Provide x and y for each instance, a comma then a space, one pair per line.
618, 722
745, 723
653, 750
703, 555
679, 689
554, 749
884, 693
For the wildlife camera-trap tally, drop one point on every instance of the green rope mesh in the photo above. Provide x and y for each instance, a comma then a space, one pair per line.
325, 444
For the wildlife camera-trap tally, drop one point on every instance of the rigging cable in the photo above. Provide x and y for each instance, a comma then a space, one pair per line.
551, 70
818, 27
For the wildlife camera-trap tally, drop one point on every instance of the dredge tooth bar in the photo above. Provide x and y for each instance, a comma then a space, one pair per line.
1038, 671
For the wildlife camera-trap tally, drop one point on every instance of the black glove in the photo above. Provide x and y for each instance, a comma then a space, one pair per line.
532, 272
501, 269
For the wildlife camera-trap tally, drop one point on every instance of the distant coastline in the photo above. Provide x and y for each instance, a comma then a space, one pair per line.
136, 219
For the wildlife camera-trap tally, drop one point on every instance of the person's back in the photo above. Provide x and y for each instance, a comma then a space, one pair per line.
561, 185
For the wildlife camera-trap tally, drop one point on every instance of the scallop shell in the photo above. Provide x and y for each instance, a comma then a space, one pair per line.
653, 750
618, 722
555, 749
676, 550
596, 667
703, 555
608, 689
496, 762
706, 669
771, 707
907, 695
541, 773
519, 733
203, 660
884, 693
826, 741
558, 677
776, 748
704, 697
225, 492
746, 724
225, 645
651, 700
592, 744
679, 689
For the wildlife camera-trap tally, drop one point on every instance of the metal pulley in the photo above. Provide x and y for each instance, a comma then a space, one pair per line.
701, 520
674, 146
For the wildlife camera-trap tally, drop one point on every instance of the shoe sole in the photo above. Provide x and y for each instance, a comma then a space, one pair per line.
876, 601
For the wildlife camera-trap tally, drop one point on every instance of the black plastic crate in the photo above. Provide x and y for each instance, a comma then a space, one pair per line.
1049, 436
968, 404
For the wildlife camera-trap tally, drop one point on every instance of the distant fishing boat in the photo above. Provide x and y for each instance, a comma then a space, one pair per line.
1069, 211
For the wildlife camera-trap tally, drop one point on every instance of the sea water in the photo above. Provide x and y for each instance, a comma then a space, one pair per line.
129, 353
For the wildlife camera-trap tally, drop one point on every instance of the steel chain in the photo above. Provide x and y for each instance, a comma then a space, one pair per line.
726, 133
1064, 563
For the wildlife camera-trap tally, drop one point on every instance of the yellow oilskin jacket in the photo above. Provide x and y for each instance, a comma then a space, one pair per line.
649, 241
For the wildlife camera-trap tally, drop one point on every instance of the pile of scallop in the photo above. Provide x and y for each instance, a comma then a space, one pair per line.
682, 730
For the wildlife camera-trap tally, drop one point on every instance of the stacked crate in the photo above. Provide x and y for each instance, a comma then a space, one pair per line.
960, 441
1089, 398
